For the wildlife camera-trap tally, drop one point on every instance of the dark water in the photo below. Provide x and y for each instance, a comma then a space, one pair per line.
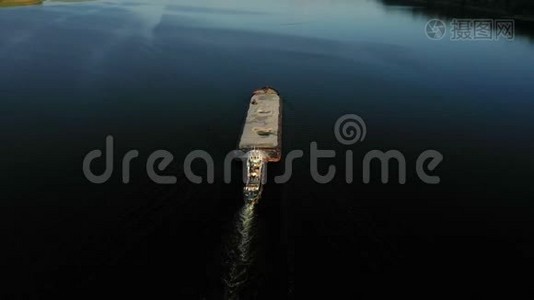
177, 76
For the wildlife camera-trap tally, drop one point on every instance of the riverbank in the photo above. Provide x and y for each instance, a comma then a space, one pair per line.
7, 3
519, 10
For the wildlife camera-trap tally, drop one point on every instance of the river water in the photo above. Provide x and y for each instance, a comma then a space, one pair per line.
177, 75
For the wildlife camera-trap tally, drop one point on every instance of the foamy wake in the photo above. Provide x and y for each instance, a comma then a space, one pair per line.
241, 252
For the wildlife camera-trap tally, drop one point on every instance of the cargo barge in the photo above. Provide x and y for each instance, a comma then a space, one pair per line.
261, 139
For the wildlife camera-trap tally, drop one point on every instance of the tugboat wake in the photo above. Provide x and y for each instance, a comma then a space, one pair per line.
241, 254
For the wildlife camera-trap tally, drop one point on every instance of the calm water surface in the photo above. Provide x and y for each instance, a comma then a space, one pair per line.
177, 75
